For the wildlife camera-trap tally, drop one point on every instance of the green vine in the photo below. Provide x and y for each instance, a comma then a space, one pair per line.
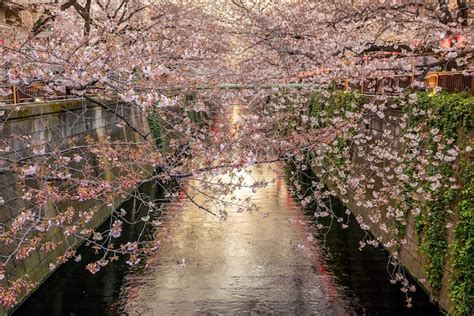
156, 129
452, 115
325, 105
462, 251
462, 285
441, 121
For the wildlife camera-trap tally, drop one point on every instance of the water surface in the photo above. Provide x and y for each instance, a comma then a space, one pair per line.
269, 261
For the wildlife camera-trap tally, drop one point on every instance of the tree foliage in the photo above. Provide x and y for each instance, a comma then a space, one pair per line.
149, 54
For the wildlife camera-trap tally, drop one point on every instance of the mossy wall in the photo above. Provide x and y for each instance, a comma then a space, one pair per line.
438, 243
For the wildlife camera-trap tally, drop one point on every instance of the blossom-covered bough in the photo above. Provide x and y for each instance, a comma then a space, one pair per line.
374, 39
149, 54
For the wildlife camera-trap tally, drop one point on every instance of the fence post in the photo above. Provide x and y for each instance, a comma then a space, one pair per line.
14, 95
472, 84
432, 80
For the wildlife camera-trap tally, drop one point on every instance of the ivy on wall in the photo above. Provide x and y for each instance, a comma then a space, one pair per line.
156, 129
446, 123
437, 177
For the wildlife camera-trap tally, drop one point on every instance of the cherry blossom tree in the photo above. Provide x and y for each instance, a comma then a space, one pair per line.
324, 40
107, 52
150, 54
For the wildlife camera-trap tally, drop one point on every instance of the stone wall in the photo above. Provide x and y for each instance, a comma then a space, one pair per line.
47, 126
411, 257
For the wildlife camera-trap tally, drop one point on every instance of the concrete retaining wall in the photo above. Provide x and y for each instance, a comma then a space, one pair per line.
48, 126
411, 257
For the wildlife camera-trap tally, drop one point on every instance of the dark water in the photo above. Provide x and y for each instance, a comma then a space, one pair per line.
261, 263
269, 261
72, 290
362, 276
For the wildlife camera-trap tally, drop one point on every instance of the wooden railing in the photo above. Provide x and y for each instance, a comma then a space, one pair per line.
446, 81
35, 92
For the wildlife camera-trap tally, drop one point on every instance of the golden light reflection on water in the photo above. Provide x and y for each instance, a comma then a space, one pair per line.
260, 262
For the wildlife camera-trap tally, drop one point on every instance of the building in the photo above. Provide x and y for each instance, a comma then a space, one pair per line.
19, 12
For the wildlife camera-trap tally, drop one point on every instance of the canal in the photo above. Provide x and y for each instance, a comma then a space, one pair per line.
268, 261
